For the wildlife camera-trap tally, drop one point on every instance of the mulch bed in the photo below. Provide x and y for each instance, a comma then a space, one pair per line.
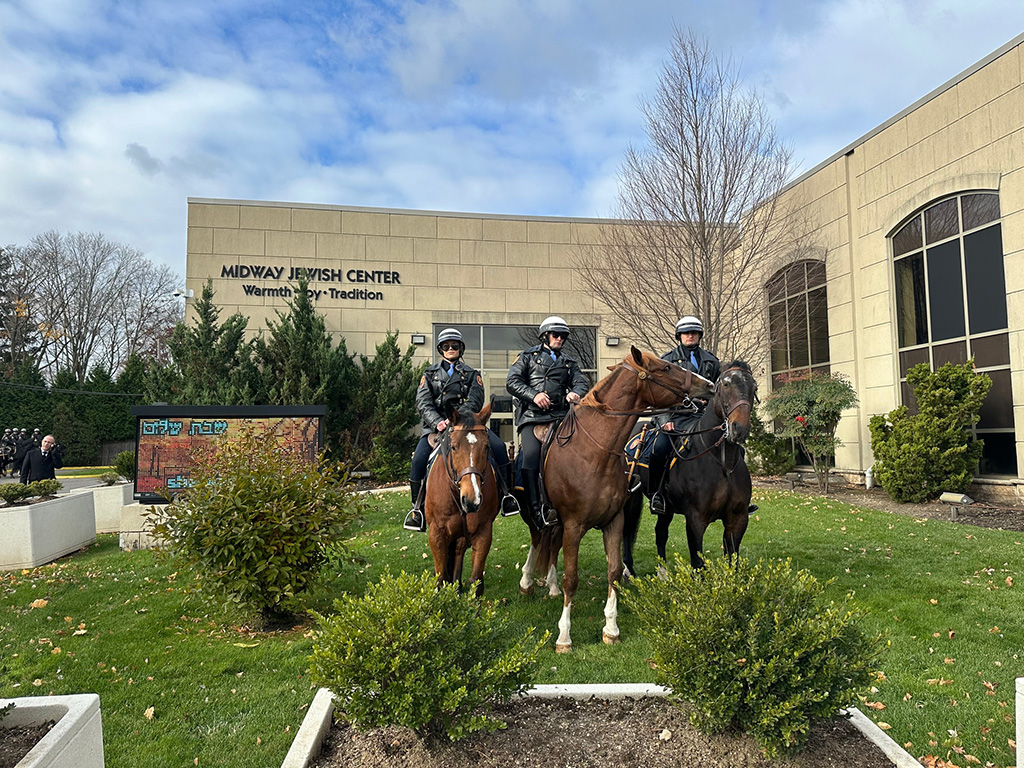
17, 742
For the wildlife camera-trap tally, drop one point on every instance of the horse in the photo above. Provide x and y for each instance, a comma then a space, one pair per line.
461, 500
709, 480
585, 469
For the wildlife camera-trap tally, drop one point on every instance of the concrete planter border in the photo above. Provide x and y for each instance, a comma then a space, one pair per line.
76, 741
320, 715
107, 502
34, 534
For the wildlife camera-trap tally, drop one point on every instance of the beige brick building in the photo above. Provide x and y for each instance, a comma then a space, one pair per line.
921, 227
918, 257
372, 270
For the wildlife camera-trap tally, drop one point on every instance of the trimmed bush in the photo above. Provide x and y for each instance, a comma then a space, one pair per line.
256, 521
918, 456
409, 653
754, 646
13, 493
767, 453
124, 465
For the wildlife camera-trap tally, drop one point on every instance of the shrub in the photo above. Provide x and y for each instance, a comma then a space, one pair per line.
918, 456
124, 465
412, 654
808, 408
767, 453
256, 521
753, 646
12, 493
109, 478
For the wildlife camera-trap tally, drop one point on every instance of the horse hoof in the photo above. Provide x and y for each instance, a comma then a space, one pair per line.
610, 639
563, 647
525, 590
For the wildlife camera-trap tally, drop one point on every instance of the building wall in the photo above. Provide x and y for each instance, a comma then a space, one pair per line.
966, 135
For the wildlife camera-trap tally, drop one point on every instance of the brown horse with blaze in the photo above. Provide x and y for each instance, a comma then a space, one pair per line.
462, 498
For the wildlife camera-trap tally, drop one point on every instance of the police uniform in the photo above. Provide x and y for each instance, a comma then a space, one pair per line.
701, 362
456, 383
554, 372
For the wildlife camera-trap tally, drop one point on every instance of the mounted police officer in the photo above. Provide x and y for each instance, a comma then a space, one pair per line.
451, 380
545, 381
689, 355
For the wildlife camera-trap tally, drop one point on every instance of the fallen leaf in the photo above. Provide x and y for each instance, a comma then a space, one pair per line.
245, 645
37, 682
1012, 743
148, 714
933, 601
665, 735
884, 726
994, 630
1009, 581
950, 661
991, 687
952, 634
40, 603
874, 705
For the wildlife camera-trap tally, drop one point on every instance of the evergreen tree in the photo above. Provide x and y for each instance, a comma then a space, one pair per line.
384, 410
211, 362
299, 367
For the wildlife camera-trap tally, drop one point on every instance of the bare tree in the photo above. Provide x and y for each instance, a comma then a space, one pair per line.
96, 301
700, 228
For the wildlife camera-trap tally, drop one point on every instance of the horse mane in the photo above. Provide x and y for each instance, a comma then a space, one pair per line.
743, 365
593, 397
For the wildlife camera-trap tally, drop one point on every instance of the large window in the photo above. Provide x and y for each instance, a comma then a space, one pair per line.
798, 320
951, 307
492, 349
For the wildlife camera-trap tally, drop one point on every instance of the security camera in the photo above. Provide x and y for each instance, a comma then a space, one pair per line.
177, 293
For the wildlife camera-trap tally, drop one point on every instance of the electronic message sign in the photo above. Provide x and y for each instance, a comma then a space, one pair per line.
166, 436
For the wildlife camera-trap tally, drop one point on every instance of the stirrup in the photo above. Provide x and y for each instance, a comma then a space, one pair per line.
752, 508
636, 484
546, 517
657, 503
415, 521
510, 505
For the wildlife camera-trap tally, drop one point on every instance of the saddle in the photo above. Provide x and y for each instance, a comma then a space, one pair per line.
545, 434
640, 446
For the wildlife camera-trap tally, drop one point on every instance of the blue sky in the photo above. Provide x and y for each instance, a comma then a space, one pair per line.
113, 113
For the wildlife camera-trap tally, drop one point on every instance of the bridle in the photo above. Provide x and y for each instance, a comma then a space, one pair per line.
455, 477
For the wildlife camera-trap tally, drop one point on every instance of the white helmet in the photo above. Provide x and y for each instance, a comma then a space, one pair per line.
450, 334
689, 324
553, 323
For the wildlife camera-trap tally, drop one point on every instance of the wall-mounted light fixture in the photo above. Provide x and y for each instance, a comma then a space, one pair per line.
611, 341
188, 293
419, 338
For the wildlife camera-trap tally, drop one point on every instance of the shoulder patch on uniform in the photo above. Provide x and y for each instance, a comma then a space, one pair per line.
516, 360
423, 380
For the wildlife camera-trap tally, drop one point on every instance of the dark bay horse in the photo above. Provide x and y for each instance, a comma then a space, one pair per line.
709, 481
462, 498
585, 469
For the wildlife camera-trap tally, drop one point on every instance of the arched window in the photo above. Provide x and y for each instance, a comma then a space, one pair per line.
951, 306
798, 320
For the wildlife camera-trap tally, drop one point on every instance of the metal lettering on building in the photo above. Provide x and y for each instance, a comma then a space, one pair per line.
314, 275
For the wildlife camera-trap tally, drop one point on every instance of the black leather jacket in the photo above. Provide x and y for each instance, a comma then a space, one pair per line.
534, 372
465, 384
708, 366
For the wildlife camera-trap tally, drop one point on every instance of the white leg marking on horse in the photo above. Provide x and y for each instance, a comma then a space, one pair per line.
611, 613
563, 629
527, 581
471, 439
476, 490
552, 581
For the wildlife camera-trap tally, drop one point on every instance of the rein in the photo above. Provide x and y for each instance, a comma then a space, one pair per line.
449, 465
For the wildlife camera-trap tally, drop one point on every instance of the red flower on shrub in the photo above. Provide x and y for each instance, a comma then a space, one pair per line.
802, 420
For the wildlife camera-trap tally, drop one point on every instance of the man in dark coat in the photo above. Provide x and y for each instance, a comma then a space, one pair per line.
8, 447
22, 445
689, 355
40, 463
545, 382
451, 379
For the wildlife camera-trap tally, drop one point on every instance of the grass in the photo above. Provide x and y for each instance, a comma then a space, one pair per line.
948, 596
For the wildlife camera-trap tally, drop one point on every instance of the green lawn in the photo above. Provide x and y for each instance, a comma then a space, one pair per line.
82, 471
949, 597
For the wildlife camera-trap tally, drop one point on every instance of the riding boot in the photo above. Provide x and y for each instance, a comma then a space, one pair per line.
752, 509
656, 467
415, 521
509, 503
531, 485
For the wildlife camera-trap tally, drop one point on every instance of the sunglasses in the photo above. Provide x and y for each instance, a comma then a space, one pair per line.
450, 345
558, 335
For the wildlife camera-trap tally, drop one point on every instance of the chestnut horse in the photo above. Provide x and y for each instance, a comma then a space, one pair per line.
461, 498
708, 480
585, 468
